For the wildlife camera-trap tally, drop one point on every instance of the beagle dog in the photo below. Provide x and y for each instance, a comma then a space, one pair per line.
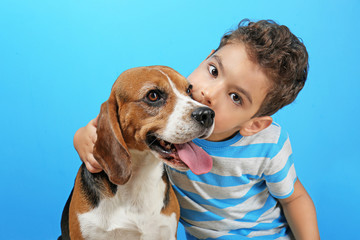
148, 120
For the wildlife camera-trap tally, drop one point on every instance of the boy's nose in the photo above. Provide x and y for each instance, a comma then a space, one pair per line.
210, 94
205, 97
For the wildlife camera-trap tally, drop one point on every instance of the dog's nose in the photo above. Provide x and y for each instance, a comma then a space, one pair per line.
204, 116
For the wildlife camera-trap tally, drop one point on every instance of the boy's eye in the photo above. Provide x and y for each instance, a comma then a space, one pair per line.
213, 71
236, 98
188, 90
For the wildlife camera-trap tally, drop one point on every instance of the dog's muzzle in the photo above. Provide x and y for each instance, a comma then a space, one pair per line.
204, 115
184, 154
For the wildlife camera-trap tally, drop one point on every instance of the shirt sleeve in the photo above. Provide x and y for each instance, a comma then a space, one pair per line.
280, 174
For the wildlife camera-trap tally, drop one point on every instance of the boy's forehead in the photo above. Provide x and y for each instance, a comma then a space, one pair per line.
231, 52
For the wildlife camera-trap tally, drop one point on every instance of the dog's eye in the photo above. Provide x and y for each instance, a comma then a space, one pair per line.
153, 96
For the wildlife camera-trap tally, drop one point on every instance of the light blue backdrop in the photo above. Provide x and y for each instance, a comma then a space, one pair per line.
58, 60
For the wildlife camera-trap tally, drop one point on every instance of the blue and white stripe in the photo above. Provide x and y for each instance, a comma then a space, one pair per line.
237, 199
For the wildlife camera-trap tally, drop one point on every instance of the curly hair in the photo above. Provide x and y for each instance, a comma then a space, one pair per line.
280, 54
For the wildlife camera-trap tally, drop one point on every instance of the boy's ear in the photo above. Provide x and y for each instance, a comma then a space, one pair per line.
255, 125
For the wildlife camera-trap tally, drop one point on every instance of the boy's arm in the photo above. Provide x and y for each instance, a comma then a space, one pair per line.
300, 213
84, 141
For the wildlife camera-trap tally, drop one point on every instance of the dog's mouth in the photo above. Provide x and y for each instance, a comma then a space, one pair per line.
180, 156
166, 150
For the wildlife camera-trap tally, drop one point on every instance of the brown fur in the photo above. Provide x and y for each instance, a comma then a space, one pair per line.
78, 205
110, 149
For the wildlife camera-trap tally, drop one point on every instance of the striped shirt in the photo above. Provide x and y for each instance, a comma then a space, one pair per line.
237, 198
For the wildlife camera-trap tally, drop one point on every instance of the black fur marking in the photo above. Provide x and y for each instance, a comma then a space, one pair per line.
167, 190
93, 185
65, 235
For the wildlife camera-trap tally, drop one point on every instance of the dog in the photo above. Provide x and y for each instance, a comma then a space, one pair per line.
149, 119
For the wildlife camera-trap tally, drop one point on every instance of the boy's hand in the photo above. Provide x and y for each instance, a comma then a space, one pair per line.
84, 141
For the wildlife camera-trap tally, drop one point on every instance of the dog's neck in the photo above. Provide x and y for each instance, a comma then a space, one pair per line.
144, 163
145, 186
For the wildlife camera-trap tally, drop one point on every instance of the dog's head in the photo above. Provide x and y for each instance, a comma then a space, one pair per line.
150, 108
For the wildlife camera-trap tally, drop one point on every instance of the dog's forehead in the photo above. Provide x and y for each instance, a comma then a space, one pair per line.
145, 78
176, 78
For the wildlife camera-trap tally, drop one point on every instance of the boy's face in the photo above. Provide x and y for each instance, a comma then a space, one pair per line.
234, 87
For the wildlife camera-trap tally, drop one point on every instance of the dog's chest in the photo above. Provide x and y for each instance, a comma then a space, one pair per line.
133, 213
128, 225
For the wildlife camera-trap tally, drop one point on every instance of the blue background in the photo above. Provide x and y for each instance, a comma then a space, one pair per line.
58, 60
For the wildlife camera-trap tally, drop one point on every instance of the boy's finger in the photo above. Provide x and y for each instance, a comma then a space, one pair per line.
95, 120
91, 168
92, 133
94, 137
92, 161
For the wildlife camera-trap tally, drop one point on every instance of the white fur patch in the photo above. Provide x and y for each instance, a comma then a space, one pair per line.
133, 213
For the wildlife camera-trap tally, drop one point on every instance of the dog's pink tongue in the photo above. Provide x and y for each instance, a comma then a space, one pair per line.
194, 157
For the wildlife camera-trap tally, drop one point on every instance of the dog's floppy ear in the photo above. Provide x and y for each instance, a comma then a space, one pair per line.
110, 149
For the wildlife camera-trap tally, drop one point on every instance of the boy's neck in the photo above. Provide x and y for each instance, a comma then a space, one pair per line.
214, 139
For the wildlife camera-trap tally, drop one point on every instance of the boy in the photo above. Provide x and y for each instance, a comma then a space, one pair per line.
252, 190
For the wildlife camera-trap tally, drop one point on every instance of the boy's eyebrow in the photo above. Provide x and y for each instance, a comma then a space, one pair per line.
218, 59
246, 93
